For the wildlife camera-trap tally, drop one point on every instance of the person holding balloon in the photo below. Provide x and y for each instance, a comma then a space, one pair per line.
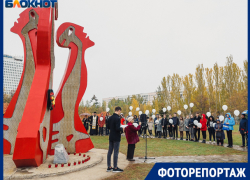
132, 137
150, 126
101, 122
186, 128
230, 122
170, 126
191, 127
220, 136
181, 127
210, 125
159, 126
196, 128
203, 127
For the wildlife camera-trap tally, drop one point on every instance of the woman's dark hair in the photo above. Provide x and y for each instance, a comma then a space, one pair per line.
212, 118
135, 116
181, 117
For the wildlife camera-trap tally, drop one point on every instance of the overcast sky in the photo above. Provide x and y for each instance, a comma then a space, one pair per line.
138, 42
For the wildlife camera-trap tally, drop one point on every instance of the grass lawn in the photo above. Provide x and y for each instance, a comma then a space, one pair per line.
167, 147
164, 147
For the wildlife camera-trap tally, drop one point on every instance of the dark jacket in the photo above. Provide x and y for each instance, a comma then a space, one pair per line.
107, 120
115, 129
191, 122
243, 126
131, 133
164, 122
198, 119
219, 130
176, 121
210, 123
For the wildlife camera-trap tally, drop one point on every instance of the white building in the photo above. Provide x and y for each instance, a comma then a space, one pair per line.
148, 97
13, 68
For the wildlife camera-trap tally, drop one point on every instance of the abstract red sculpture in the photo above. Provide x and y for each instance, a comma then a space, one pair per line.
31, 130
65, 131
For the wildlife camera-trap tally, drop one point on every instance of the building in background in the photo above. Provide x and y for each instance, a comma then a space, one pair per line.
13, 68
148, 97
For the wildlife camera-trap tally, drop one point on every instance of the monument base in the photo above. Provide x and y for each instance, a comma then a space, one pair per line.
48, 169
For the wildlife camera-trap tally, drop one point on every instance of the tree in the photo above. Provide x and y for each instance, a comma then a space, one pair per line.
210, 88
188, 83
135, 104
200, 94
104, 104
216, 81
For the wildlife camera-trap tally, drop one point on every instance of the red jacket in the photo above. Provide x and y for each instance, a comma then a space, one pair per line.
101, 123
203, 122
122, 121
131, 133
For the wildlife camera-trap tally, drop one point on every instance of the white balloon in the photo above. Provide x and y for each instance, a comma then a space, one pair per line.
199, 125
208, 114
179, 112
137, 109
185, 106
156, 122
107, 109
147, 112
191, 105
164, 109
224, 107
169, 108
153, 116
153, 110
236, 112
130, 113
135, 124
214, 124
131, 107
195, 122
171, 121
101, 118
140, 112
221, 118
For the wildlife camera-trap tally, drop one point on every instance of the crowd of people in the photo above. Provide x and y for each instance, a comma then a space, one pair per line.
185, 128
190, 128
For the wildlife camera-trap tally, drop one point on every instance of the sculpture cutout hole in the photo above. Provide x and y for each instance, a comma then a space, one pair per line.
33, 15
69, 137
44, 133
70, 31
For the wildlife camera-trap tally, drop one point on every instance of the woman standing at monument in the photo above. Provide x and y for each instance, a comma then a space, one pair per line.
159, 126
132, 137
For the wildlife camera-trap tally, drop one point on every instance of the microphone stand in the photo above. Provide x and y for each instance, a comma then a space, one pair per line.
146, 145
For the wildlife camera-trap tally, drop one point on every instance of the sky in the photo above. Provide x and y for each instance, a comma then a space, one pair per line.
139, 42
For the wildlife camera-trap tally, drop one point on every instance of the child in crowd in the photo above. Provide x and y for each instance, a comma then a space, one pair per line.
181, 127
186, 128
211, 131
150, 126
220, 136
159, 127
